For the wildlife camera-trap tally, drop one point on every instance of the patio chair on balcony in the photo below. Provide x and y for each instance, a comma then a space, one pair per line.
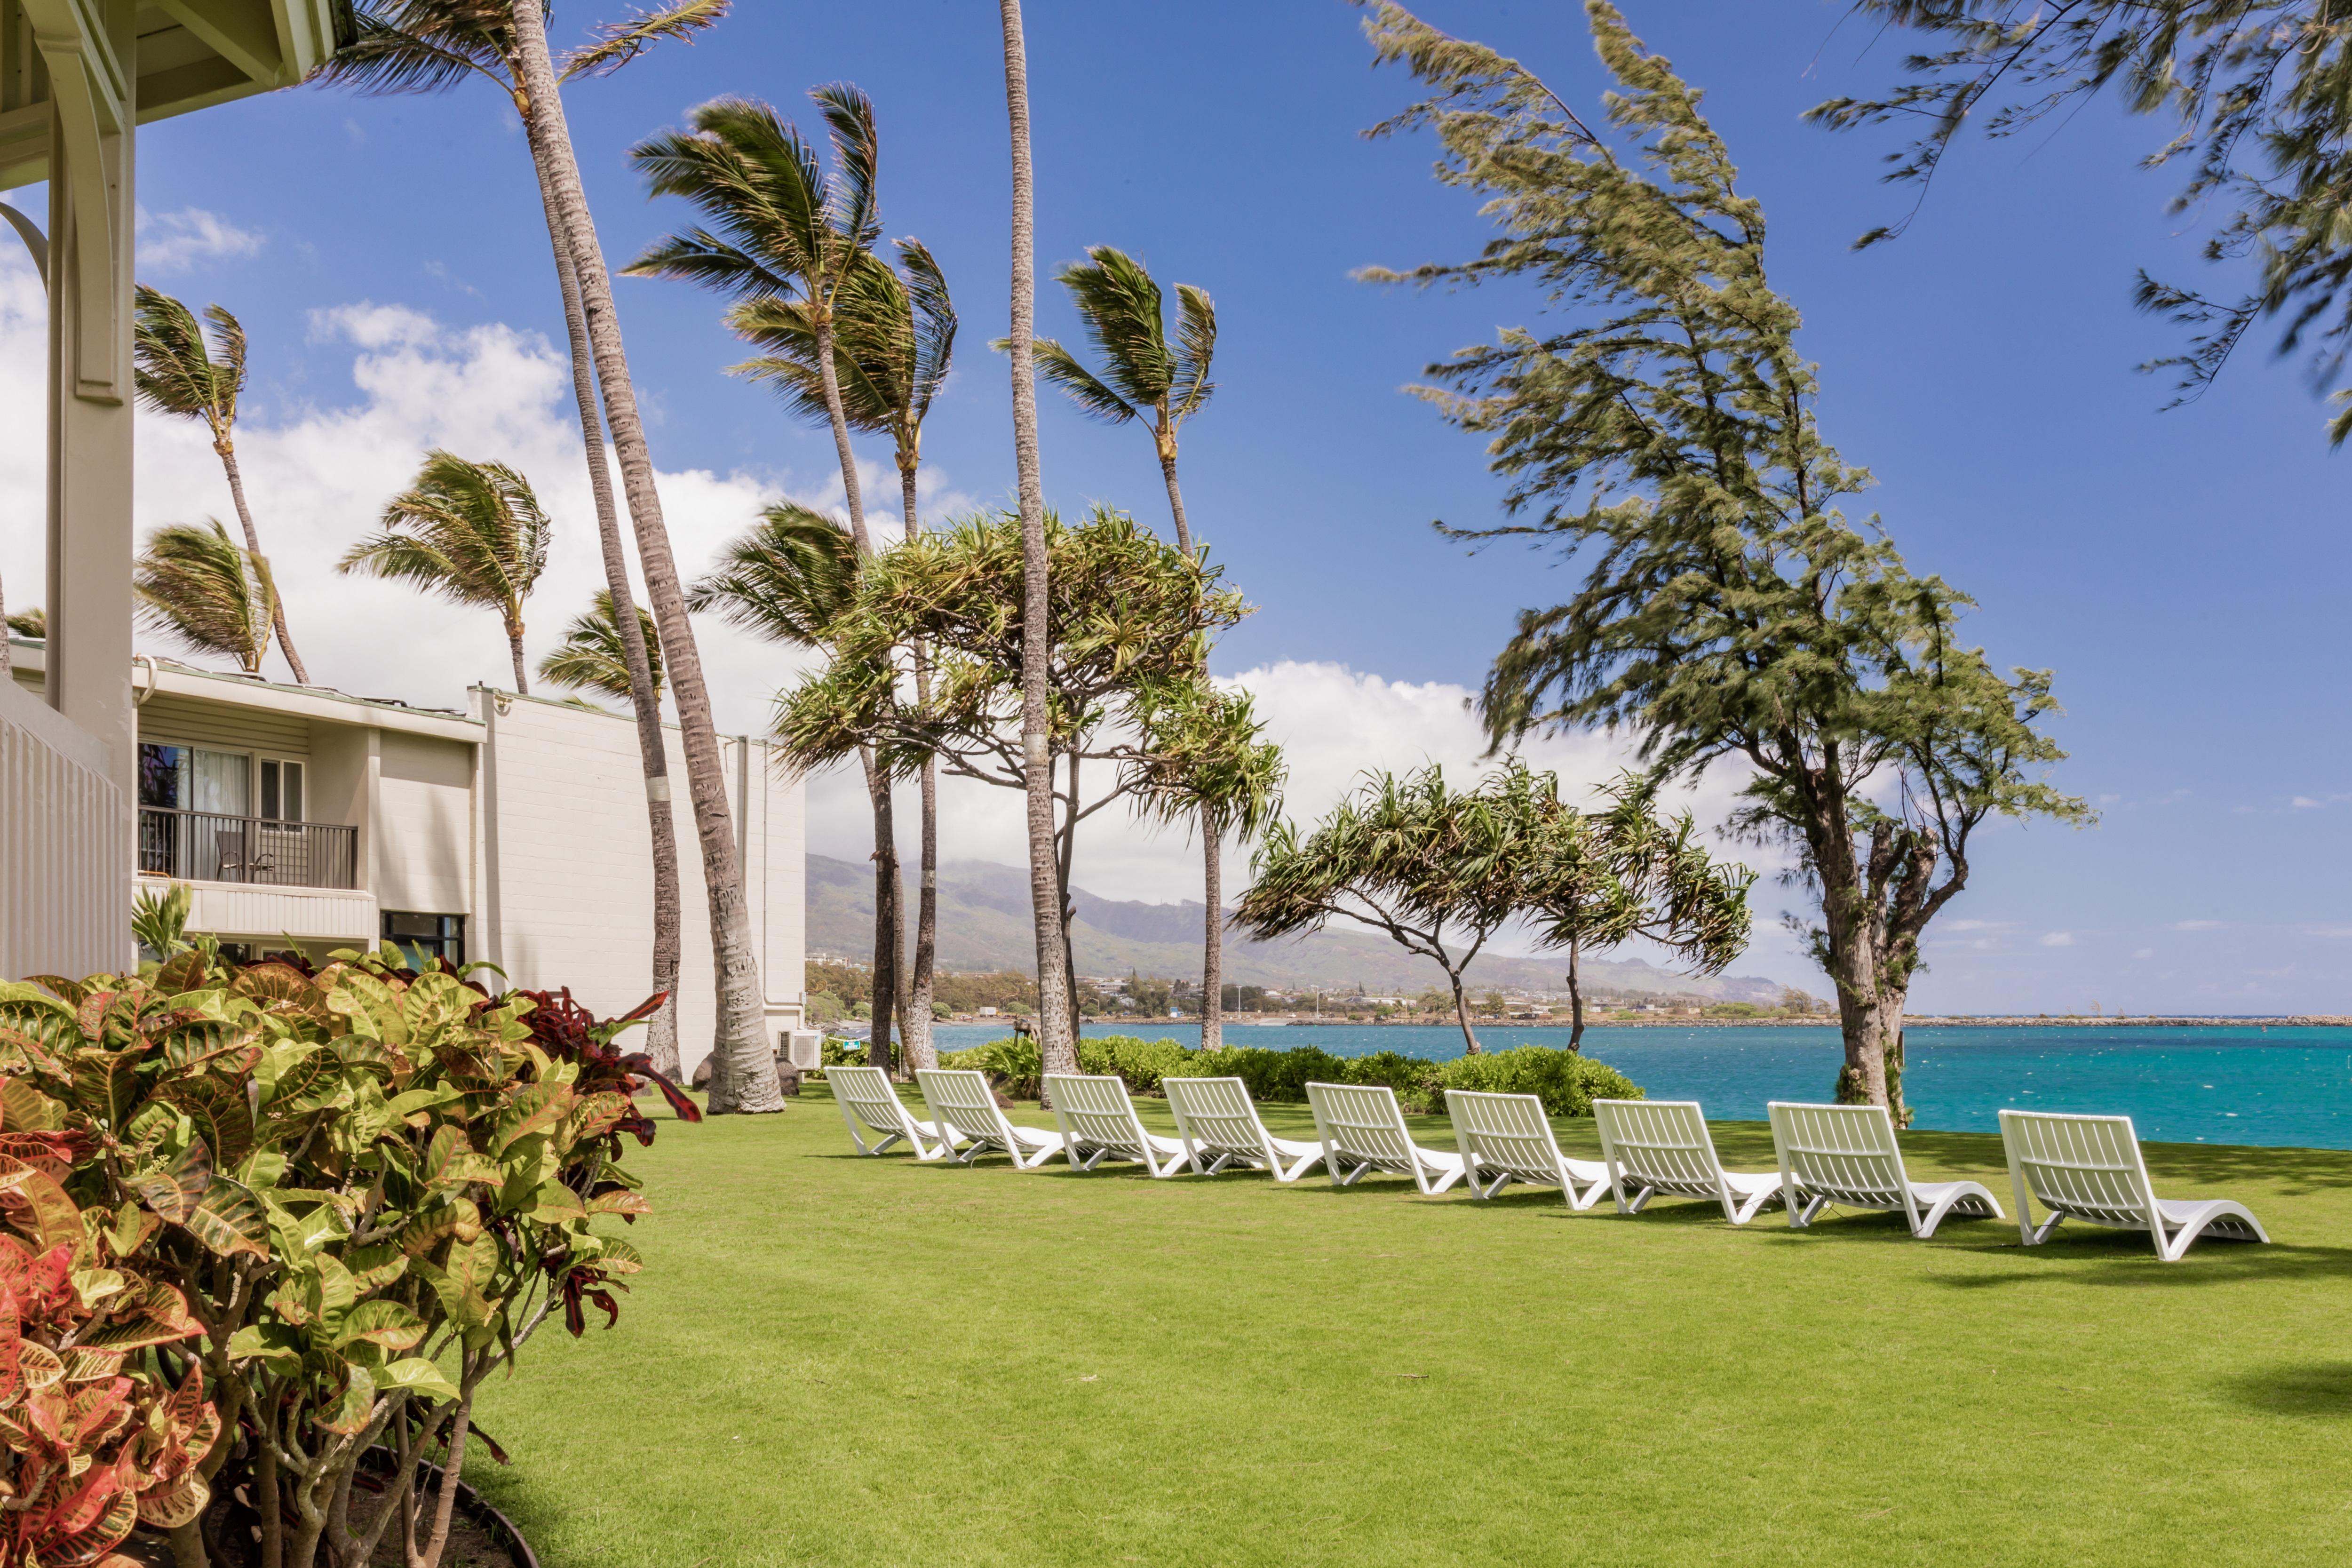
1847, 1155
963, 1106
867, 1096
1662, 1146
1216, 1120
1098, 1123
1362, 1129
2089, 1168
1508, 1138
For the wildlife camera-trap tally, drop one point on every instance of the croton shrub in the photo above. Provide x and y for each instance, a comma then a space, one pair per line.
265, 1230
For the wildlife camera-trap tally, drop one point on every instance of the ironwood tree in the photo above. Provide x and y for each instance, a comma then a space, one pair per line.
1662, 437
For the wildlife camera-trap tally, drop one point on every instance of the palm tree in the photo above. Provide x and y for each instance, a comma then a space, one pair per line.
895, 342
429, 46
593, 656
743, 1076
792, 234
1056, 1029
193, 583
472, 532
1208, 765
178, 374
788, 230
1142, 372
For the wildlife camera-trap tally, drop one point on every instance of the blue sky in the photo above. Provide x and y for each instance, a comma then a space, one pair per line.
2183, 572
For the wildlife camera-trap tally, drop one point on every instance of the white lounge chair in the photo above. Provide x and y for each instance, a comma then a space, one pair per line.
1361, 1127
866, 1095
1662, 1146
1098, 1123
2089, 1168
961, 1101
1216, 1120
1508, 1138
1847, 1155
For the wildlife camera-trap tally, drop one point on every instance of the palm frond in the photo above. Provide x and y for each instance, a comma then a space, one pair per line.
472, 532
790, 579
175, 370
697, 257
30, 622
869, 392
618, 43
1120, 303
1196, 345
756, 181
1059, 366
421, 46
197, 584
857, 161
592, 656
934, 326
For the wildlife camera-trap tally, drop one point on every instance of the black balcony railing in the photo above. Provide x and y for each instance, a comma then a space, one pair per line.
207, 847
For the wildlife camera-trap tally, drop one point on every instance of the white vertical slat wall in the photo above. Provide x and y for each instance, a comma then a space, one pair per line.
65, 846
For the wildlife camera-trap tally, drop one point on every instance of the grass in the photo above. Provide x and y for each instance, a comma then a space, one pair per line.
837, 1360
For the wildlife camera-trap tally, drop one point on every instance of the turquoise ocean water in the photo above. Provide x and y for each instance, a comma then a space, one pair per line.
2216, 1084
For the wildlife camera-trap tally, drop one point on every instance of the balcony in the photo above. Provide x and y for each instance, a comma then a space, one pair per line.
209, 846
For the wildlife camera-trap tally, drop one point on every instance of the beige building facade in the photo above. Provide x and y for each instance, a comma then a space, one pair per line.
511, 830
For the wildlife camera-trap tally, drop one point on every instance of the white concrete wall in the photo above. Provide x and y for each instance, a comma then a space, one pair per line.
65, 846
421, 825
568, 865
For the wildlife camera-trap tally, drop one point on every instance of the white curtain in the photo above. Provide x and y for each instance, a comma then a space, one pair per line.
219, 781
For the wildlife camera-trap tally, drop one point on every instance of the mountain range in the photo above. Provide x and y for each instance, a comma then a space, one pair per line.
984, 925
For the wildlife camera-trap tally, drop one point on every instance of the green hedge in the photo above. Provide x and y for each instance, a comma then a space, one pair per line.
1567, 1082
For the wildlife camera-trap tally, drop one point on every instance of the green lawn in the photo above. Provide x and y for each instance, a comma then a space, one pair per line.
837, 1360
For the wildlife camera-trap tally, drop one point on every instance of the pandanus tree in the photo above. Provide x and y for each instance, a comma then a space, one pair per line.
893, 343
471, 532
1596, 880
1207, 765
1129, 630
593, 656
1145, 377
181, 374
195, 584
783, 229
1056, 1017
433, 46
1665, 441
1438, 870
33, 623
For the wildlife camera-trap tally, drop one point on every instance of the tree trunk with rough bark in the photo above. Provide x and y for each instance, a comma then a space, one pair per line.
1175, 497
521, 667
914, 1011
1213, 946
1057, 1039
888, 918
1461, 1013
1575, 1002
743, 1076
227, 451
653, 750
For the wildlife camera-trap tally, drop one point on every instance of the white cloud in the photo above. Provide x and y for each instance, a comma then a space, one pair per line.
2335, 933
2144, 952
2058, 939
2196, 925
1970, 925
174, 242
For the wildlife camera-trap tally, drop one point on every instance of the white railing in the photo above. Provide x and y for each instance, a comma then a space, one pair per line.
65, 846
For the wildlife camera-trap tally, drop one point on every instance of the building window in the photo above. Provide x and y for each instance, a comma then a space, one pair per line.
189, 778
424, 938
281, 790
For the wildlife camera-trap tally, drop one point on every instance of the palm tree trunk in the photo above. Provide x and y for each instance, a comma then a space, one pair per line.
514, 645
742, 1075
1575, 1002
1055, 1041
1066, 864
1212, 948
1175, 500
661, 1029
829, 378
253, 542
915, 1013
889, 920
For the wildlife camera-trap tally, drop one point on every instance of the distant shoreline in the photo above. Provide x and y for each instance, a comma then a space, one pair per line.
1915, 1021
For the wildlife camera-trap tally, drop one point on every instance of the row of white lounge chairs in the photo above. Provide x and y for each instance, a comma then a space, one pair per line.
2084, 1168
